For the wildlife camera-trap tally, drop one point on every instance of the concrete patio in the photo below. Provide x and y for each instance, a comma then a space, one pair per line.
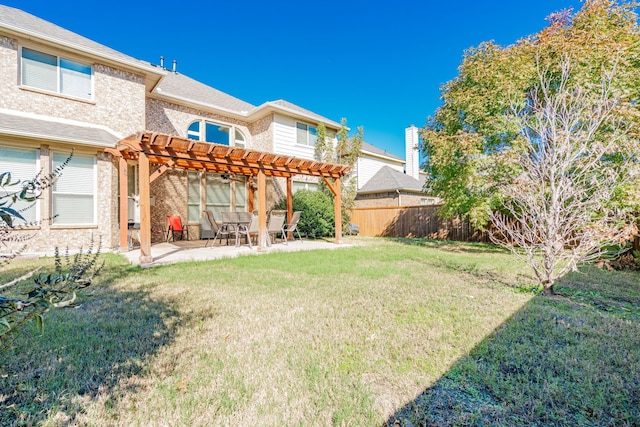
194, 250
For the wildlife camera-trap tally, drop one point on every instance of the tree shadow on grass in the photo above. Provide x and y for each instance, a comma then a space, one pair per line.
83, 351
557, 362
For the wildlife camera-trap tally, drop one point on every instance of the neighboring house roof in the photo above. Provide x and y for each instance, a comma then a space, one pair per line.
379, 152
389, 179
17, 21
45, 128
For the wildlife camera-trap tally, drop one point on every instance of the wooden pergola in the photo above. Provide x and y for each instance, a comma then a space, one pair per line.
168, 151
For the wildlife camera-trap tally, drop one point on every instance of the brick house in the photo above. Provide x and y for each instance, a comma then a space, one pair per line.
61, 92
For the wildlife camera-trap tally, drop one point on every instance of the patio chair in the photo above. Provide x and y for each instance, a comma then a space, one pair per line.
292, 227
275, 224
175, 226
245, 228
217, 230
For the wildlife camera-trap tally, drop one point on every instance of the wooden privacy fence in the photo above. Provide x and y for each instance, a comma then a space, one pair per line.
414, 221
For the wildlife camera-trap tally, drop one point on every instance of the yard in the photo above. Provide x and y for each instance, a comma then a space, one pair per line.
387, 331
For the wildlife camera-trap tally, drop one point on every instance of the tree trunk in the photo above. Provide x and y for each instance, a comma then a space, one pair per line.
548, 289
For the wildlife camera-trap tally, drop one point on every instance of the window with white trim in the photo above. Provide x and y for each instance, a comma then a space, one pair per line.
306, 134
219, 194
53, 73
73, 194
300, 185
202, 130
23, 166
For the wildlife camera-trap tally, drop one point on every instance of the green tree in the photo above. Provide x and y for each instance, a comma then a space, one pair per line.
473, 141
346, 152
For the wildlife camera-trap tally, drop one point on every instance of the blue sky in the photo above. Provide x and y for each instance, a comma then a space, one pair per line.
378, 64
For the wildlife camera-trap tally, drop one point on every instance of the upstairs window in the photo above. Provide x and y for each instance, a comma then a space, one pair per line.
215, 133
306, 135
52, 73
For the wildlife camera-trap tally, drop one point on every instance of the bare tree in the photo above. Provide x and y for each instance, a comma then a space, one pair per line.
557, 213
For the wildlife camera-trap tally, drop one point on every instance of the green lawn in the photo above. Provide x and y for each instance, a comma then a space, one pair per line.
389, 330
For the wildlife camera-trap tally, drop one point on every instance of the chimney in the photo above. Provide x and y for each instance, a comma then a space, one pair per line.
412, 143
175, 63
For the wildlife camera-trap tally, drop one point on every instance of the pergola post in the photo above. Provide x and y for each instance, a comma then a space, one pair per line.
289, 206
145, 209
337, 209
337, 205
251, 194
124, 204
262, 210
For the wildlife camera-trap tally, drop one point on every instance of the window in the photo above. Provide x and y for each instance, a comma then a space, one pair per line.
73, 194
306, 135
23, 165
215, 133
55, 74
240, 139
299, 185
219, 194
193, 209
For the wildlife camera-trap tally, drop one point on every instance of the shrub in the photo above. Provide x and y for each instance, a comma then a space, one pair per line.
317, 219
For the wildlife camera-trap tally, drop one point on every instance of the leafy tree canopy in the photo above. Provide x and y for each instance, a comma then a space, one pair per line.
472, 141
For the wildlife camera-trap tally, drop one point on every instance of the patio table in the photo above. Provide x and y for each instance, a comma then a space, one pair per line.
234, 221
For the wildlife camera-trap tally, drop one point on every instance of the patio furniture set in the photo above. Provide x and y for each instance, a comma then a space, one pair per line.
237, 225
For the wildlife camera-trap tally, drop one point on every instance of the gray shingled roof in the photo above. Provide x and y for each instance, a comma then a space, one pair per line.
23, 22
389, 179
297, 109
375, 150
181, 86
30, 125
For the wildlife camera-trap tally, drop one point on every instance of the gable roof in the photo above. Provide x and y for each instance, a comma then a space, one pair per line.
389, 179
19, 22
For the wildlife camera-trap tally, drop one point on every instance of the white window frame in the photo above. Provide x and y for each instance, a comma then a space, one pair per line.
304, 185
94, 220
37, 168
200, 135
308, 135
204, 203
59, 74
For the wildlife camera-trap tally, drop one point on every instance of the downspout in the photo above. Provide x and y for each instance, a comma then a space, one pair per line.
399, 197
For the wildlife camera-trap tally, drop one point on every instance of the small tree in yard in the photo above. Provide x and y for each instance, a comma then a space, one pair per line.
560, 210
346, 152
56, 289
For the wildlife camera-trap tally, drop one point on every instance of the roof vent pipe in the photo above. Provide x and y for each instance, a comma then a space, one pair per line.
162, 62
174, 65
